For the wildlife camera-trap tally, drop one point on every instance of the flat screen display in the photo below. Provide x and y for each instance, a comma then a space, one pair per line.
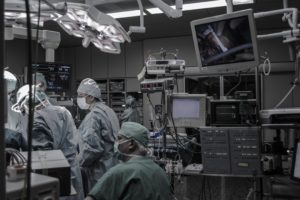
186, 108
227, 42
58, 76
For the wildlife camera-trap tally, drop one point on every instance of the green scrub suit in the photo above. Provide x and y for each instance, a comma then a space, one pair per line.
139, 178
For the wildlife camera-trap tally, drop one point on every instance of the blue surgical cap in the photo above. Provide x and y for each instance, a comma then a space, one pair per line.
135, 131
90, 87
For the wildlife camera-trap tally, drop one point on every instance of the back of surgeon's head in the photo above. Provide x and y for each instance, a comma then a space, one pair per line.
39, 80
38, 98
133, 138
130, 102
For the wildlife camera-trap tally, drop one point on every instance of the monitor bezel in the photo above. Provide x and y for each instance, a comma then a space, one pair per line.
228, 67
294, 162
202, 98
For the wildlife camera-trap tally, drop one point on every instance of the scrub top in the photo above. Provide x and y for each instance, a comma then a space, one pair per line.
139, 178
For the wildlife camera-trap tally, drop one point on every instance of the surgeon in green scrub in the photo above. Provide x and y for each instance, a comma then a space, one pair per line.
137, 177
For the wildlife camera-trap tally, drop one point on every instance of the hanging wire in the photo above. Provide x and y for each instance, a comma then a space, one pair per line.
237, 85
31, 113
294, 83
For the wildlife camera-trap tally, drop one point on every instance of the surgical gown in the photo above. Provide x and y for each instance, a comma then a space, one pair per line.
130, 115
97, 132
15, 140
138, 178
54, 128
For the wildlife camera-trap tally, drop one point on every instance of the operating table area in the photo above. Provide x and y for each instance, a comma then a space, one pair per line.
152, 99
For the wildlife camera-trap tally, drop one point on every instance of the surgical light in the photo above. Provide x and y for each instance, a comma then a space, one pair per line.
78, 34
79, 20
107, 46
93, 26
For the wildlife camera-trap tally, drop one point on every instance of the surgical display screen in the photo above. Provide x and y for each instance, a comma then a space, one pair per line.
185, 108
225, 41
58, 77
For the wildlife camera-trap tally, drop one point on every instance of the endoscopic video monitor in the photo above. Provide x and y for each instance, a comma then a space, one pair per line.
226, 43
58, 76
187, 110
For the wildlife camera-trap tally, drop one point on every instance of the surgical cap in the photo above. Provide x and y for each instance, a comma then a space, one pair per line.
90, 87
11, 81
135, 131
23, 97
130, 101
39, 78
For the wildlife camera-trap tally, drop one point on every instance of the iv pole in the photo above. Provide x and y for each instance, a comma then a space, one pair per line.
2, 144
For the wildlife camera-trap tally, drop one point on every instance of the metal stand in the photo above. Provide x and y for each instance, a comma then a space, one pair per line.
2, 97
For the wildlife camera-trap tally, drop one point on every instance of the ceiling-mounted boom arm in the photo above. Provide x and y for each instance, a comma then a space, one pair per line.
49, 40
288, 13
168, 10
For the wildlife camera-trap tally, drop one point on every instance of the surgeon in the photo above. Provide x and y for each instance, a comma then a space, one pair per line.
97, 132
138, 177
53, 128
40, 80
13, 118
130, 114
13, 138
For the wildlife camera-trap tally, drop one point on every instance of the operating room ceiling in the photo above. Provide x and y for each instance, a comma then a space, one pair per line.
159, 26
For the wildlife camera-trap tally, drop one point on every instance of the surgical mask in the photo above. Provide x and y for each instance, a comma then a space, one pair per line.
81, 102
26, 109
120, 155
116, 146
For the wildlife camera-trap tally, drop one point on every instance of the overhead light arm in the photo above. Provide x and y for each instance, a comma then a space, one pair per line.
229, 6
102, 2
141, 28
61, 10
168, 10
49, 40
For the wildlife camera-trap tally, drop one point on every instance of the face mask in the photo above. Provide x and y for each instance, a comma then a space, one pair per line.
26, 109
39, 98
120, 155
116, 146
82, 103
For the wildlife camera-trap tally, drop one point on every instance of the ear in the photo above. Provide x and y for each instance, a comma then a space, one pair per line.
132, 145
89, 99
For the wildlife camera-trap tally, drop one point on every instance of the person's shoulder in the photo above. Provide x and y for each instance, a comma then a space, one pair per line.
119, 170
55, 107
154, 166
98, 107
101, 109
58, 110
102, 106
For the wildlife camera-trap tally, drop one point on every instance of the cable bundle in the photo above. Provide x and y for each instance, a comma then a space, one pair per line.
15, 157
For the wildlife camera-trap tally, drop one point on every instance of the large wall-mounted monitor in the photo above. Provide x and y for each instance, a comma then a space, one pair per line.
58, 76
226, 43
187, 110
